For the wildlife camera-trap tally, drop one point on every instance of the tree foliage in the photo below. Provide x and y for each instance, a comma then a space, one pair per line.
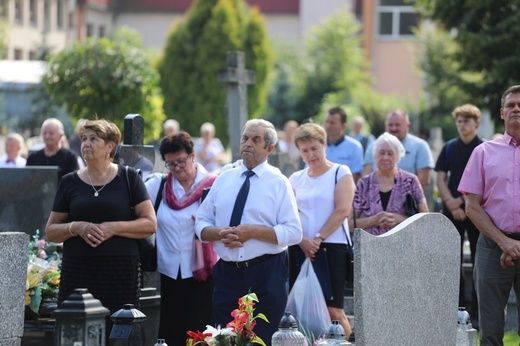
332, 62
196, 49
107, 78
445, 83
483, 29
335, 62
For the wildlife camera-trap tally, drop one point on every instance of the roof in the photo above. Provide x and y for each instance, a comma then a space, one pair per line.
265, 6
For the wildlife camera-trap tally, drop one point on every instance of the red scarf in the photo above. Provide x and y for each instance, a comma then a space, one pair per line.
209, 257
191, 196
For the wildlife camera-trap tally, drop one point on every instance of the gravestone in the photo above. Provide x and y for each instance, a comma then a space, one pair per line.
236, 78
407, 283
13, 269
134, 154
26, 197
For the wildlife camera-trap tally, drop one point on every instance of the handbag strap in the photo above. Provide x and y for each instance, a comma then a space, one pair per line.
158, 199
131, 191
343, 226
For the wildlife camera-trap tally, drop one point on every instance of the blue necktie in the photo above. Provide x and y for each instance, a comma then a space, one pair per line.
240, 202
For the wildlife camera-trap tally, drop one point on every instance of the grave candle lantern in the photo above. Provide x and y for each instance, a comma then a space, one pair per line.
80, 320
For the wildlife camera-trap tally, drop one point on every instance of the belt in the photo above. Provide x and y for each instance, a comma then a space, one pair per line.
251, 262
515, 236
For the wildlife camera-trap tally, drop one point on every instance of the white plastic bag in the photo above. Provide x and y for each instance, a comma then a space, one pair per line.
306, 302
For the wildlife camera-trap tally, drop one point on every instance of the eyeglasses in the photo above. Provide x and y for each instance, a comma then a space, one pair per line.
180, 163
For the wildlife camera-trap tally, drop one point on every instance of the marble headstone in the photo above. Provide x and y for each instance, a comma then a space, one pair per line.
26, 197
407, 283
13, 269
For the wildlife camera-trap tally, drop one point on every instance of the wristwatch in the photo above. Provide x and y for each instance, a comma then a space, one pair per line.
318, 235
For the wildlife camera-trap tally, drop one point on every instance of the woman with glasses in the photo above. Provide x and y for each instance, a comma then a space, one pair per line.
182, 287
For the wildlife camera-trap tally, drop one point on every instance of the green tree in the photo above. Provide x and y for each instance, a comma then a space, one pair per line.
445, 83
485, 31
335, 62
195, 51
107, 78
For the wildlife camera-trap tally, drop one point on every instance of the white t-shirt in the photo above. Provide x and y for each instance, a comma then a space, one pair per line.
315, 200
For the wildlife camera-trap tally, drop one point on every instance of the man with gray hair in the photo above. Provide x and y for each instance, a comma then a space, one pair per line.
171, 127
54, 154
14, 144
251, 216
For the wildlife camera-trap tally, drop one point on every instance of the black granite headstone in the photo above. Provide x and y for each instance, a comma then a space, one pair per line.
26, 197
132, 152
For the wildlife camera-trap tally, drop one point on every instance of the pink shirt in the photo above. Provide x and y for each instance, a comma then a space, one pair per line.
493, 172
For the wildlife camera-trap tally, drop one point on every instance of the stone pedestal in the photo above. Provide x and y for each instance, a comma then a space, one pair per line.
13, 269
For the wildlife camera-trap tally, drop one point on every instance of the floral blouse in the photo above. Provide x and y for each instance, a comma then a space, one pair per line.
367, 198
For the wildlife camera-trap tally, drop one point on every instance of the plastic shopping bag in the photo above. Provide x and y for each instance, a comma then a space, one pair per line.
306, 302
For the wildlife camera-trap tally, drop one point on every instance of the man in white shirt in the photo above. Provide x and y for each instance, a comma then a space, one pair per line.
253, 254
13, 147
418, 158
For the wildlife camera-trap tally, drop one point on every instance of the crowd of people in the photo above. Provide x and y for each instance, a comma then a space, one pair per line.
261, 225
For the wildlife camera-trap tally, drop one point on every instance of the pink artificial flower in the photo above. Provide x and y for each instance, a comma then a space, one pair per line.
40, 244
42, 254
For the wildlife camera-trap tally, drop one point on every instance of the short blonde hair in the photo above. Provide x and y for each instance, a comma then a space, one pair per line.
467, 111
309, 132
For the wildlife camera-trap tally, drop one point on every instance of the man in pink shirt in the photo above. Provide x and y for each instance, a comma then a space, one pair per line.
491, 185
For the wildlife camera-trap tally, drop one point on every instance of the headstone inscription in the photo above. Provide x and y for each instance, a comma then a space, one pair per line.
406, 288
26, 197
13, 269
236, 78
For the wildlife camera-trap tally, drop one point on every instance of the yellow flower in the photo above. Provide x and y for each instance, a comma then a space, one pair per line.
27, 298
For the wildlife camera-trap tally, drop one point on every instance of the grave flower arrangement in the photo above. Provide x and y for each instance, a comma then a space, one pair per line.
43, 273
238, 332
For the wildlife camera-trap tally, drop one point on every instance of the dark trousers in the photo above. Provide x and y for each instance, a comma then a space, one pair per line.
473, 233
185, 305
493, 285
268, 280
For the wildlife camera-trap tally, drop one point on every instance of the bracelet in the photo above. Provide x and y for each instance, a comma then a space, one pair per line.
70, 229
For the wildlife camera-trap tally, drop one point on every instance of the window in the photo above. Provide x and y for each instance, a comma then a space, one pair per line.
47, 14
59, 14
90, 30
101, 31
33, 55
18, 54
3, 8
33, 12
18, 12
396, 19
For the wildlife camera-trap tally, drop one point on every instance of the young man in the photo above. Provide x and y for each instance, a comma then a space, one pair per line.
490, 185
342, 149
452, 161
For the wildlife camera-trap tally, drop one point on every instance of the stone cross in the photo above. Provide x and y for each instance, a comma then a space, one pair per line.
132, 152
236, 78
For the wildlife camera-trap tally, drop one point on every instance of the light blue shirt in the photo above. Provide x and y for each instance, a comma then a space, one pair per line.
347, 152
418, 155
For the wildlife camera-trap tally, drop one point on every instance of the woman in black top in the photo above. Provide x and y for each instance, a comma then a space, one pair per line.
92, 216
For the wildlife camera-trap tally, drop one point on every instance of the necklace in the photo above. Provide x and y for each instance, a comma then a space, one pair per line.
96, 192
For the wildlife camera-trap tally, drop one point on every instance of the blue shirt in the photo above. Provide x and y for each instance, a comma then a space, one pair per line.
418, 155
348, 152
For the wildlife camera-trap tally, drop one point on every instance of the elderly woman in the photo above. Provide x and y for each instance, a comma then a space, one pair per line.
380, 199
93, 218
182, 288
324, 192
208, 149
